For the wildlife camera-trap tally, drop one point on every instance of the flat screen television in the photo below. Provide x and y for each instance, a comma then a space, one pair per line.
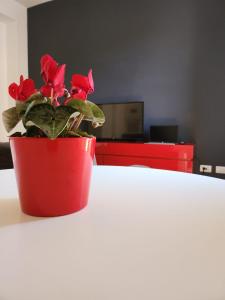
124, 121
164, 133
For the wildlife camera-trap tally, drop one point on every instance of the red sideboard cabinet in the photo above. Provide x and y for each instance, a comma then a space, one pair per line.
177, 157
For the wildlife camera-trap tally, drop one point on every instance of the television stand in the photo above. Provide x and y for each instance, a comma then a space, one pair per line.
167, 156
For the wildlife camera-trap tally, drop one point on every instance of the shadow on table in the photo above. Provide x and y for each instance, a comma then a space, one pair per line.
10, 213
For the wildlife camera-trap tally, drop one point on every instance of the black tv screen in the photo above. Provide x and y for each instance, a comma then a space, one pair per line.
124, 121
164, 133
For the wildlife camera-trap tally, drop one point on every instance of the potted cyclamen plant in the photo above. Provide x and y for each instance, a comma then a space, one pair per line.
53, 158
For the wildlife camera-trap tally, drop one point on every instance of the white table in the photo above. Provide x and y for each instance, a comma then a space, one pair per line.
147, 234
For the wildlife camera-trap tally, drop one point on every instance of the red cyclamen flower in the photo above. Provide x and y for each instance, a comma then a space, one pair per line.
53, 76
23, 91
82, 86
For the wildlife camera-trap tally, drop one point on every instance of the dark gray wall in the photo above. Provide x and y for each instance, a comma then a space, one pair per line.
168, 53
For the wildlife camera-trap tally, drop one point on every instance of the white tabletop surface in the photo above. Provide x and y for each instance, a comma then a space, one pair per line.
146, 235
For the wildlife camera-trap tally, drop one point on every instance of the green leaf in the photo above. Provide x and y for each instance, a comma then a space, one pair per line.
10, 118
21, 107
34, 131
33, 103
72, 134
80, 106
37, 98
83, 133
98, 117
90, 111
16, 134
49, 119
77, 133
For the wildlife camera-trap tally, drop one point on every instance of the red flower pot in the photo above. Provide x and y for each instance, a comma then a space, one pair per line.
53, 176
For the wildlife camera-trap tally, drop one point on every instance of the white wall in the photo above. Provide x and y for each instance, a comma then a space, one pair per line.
13, 52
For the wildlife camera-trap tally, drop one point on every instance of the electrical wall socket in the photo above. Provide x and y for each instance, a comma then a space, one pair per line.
220, 170
205, 168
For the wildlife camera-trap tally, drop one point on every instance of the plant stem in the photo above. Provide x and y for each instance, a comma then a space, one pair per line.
52, 91
77, 122
72, 124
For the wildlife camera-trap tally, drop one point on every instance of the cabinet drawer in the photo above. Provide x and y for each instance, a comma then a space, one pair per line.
166, 164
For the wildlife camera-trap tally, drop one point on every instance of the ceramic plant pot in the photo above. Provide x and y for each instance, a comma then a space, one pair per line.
53, 176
